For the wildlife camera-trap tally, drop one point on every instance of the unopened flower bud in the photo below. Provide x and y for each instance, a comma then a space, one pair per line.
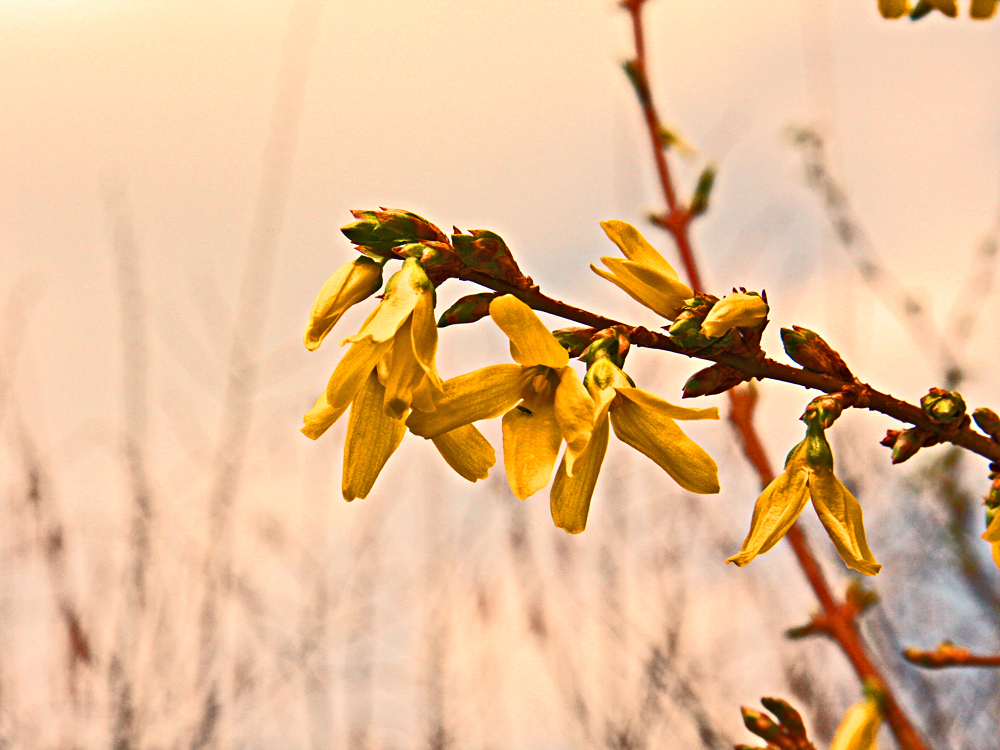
718, 378
823, 411
907, 444
468, 309
943, 407
609, 342
808, 349
988, 422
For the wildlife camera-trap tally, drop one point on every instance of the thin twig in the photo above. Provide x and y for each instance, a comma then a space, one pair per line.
947, 655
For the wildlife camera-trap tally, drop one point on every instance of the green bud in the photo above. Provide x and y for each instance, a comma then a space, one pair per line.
943, 407
808, 349
992, 497
574, 340
468, 309
611, 343
384, 230
790, 719
486, 252
823, 411
718, 378
699, 203
686, 329
988, 422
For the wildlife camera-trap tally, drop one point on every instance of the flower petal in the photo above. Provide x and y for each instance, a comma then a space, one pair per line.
371, 438
570, 495
352, 371
841, 514
321, 417
405, 374
352, 283
859, 728
649, 429
467, 451
575, 414
660, 293
401, 295
531, 441
777, 508
424, 334
736, 310
531, 343
635, 247
483, 394
992, 533
652, 401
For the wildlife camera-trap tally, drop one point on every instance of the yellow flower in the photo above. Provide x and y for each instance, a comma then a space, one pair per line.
992, 535
809, 474
736, 310
554, 406
389, 369
859, 728
645, 275
642, 420
352, 283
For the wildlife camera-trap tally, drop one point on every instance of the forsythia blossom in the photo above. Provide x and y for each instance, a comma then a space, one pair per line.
859, 728
736, 310
541, 398
642, 420
809, 475
992, 535
645, 275
388, 369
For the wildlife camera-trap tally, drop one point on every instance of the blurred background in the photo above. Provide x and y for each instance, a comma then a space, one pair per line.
178, 567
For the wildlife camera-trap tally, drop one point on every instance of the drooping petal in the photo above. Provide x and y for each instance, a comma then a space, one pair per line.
467, 451
648, 427
652, 401
570, 496
736, 310
401, 295
859, 728
531, 440
352, 283
777, 508
352, 371
635, 247
320, 417
482, 394
531, 343
574, 413
404, 375
371, 438
841, 514
661, 294
424, 335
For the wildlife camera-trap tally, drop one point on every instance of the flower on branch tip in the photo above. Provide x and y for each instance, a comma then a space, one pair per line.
541, 398
352, 283
645, 422
388, 370
858, 729
644, 275
736, 310
809, 475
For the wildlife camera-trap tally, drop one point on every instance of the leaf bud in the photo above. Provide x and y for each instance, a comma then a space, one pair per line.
808, 349
943, 407
988, 422
906, 443
384, 230
486, 252
718, 378
699, 203
468, 309
823, 411
786, 714
612, 343
762, 725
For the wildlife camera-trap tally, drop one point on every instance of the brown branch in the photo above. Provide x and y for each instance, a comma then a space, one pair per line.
839, 619
947, 655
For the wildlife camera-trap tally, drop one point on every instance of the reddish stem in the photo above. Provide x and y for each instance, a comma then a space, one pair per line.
837, 619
